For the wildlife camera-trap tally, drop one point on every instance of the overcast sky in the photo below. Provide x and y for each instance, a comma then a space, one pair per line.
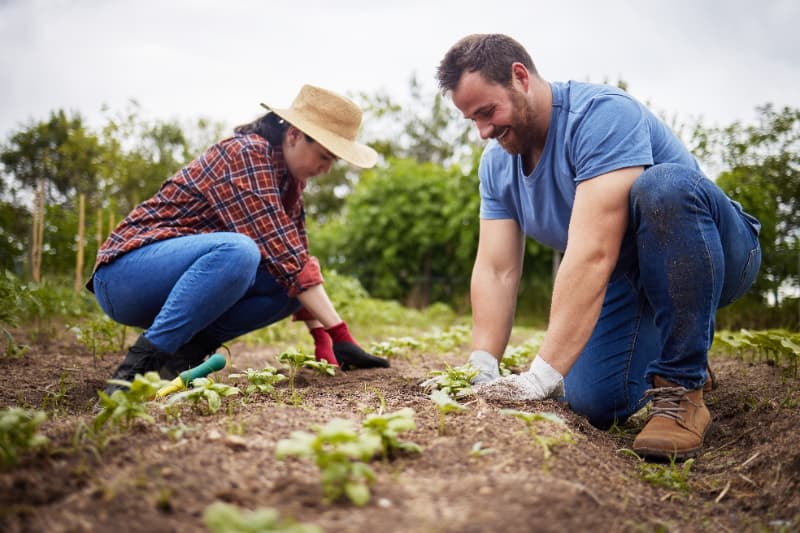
712, 60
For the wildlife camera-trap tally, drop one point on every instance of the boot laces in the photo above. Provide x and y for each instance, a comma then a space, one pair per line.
667, 401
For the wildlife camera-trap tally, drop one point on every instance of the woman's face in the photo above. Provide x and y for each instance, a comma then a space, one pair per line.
305, 159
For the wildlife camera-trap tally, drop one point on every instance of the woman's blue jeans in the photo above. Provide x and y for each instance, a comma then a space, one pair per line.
688, 250
179, 287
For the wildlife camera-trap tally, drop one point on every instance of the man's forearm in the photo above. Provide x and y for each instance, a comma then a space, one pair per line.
578, 295
494, 299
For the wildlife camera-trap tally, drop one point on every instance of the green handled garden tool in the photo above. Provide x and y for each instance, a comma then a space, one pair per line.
212, 364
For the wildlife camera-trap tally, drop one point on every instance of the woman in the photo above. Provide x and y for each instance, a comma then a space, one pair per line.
221, 249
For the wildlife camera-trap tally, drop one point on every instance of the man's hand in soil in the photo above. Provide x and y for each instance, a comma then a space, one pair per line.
487, 366
540, 382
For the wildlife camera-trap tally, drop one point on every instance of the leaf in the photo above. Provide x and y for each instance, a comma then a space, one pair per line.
358, 493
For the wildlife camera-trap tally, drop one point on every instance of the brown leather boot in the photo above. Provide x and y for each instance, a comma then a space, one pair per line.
678, 422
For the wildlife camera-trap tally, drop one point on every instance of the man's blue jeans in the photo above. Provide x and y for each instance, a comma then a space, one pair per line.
688, 251
179, 287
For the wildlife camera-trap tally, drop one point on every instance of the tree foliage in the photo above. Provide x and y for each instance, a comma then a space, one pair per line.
763, 162
410, 231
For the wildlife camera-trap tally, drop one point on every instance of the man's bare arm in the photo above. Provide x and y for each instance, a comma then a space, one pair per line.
495, 282
597, 226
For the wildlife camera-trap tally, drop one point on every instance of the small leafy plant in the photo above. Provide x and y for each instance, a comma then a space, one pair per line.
125, 406
340, 452
388, 426
445, 404
19, 433
13, 294
453, 381
260, 381
222, 517
534, 420
100, 335
670, 475
204, 390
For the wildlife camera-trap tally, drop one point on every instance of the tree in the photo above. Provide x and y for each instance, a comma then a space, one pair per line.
764, 176
410, 232
56, 158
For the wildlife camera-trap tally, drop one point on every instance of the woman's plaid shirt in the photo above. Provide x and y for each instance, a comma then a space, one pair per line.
241, 184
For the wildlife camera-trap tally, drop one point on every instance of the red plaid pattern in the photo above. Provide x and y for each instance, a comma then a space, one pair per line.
241, 184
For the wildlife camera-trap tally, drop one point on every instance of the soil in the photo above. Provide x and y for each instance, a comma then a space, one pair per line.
746, 479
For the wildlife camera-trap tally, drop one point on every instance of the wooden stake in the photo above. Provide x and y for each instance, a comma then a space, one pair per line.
81, 235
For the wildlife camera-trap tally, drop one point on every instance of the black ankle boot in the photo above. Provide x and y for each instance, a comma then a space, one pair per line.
188, 356
142, 357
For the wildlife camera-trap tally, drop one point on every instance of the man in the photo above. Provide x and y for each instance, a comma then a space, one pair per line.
652, 248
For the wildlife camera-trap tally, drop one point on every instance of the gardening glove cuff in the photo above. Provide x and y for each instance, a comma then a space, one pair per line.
545, 378
487, 366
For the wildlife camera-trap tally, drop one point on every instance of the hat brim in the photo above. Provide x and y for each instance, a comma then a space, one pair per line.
353, 152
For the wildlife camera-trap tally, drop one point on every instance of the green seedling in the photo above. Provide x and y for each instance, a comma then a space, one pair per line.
222, 517
446, 341
125, 406
100, 335
204, 390
260, 381
517, 358
478, 450
14, 296
340, 453
53, 398
533, 422
778, 346
455, 381
19, 433
445, 404
388, 426
394, 347
321, 367
295, 360
670, 476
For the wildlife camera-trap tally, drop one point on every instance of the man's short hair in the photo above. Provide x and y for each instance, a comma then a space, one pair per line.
489, 54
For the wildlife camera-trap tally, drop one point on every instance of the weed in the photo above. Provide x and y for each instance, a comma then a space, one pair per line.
100, 335
53, 399
19, 433
533, 420
222, 517
340, 452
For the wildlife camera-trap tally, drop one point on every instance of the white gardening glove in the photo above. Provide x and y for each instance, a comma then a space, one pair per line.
540, 382
486, 365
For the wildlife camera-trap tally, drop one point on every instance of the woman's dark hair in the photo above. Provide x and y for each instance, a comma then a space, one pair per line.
270, 126
489, 54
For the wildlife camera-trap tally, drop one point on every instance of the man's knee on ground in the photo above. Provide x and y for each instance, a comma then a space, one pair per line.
601, 411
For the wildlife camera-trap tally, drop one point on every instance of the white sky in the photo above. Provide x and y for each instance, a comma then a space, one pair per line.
713, 60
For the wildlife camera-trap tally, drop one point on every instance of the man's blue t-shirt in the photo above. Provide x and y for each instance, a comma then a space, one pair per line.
594, 129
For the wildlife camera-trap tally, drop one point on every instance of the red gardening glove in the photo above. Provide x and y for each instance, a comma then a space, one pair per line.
349, 353
323, 347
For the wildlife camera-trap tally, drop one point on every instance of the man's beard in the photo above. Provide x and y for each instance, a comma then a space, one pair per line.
521, 139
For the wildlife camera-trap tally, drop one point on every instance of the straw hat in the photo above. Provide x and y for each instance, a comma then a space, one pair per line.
331, 120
